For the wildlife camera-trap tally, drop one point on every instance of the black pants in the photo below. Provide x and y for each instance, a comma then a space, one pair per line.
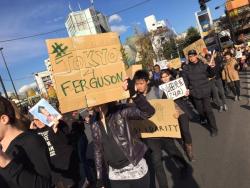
143, 182
219, 85
156, 146
204, 108
184, 127
235, 87
215, 93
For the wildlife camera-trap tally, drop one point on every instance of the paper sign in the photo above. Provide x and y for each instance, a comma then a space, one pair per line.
88, 70
163, 64
175, 63
162, 124
45, 113
199, 46
174, 89
132, 70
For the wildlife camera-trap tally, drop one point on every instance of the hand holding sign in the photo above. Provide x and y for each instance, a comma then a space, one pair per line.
174, 89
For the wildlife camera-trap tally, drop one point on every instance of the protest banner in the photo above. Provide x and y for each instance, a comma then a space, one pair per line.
161, 124
175, 63
198, 45
88, 70
174, 89
45, 113
132, 70
163, 64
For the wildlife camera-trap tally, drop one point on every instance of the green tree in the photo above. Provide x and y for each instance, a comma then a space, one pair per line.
192, 36
170, 49
145, 50
124, 57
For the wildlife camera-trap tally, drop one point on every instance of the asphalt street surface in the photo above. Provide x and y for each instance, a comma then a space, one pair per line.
223, 161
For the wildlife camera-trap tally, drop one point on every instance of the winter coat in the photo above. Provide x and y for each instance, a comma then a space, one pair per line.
230, 72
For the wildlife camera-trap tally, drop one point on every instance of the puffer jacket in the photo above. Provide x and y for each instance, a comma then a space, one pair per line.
230, 72
118, 122
196, 77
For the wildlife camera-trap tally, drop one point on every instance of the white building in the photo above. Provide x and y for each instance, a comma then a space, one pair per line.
152, 24
43, 80
86, 22
160, 34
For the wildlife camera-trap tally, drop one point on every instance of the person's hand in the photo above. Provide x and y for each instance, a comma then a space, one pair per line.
4, 159
125, 84
55, 126
33, 125
176, 114
187, 93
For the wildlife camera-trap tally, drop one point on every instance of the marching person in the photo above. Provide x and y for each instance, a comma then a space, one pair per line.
115, 143
231, 75
183, 119
24, 159
196, 75
156, 145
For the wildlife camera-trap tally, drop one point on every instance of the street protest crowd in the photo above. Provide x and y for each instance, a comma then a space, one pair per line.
96, 147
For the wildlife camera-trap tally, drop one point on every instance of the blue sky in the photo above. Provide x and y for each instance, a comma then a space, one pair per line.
26, 17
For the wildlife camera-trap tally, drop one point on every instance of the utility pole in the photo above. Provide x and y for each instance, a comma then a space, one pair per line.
4, 90
1, 49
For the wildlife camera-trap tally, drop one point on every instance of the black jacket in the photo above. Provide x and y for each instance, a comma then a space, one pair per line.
196, 79
118, 123
30, 165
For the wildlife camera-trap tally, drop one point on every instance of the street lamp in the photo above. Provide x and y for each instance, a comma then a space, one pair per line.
1, 49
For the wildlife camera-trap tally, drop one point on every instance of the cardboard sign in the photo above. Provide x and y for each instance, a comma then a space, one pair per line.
162, 124
174, 89
132, 70
88, 70
199, 46
45, 113
163, 64
175, 63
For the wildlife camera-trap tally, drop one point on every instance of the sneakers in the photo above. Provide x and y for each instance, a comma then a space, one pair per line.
236, 98
221, 109
214, 133
239, 98
203, 122
225, 107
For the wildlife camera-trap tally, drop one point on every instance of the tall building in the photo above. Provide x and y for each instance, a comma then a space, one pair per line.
86, 22
160, 33
43, 80
238, 12
152, 24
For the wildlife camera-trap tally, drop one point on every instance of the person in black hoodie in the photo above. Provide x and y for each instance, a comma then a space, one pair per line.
23, 156
196, 75
63, 159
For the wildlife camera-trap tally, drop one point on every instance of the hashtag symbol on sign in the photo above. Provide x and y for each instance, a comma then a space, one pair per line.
59, 50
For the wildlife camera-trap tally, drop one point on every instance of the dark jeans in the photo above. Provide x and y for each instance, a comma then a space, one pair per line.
143, 182
184, 127
203, 106
156, 146
235, 87
215, 93
219, 85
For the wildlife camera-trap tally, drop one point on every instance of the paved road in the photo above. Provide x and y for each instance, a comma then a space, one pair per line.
223, 161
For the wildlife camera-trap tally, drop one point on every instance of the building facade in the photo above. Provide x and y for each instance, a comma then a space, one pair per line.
86, 22
43, 81
238, 12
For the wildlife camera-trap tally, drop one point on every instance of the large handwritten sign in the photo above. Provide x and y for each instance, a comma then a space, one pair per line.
132, 70
174, 89
198, 45
87, 70
175, 63
162, 124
